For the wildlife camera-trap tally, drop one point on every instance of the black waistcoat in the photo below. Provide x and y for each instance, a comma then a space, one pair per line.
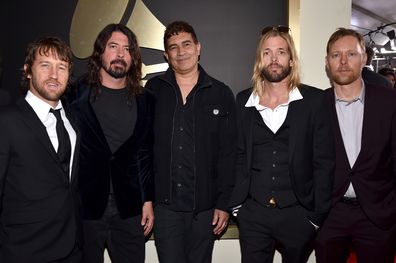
270, 167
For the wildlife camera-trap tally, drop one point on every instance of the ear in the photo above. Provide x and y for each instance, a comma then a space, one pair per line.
199, 48
25, 69
326, 62
291, 63
364, 58
166, 56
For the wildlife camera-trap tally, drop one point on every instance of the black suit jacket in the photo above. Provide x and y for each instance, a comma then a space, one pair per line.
39, 220
373, 174
374, 78
130, 167
311, 152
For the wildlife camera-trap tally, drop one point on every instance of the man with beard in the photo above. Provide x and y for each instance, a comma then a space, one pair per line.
285, 157
114, 114
39, 206
363, 214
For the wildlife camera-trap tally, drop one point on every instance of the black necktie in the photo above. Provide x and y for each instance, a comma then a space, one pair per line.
64, 147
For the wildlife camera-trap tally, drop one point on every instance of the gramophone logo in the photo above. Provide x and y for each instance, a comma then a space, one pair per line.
91, 16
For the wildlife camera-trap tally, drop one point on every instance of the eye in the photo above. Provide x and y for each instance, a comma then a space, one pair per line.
266, 53
127, 49
112, 46
63, 67
352, 54
334, 55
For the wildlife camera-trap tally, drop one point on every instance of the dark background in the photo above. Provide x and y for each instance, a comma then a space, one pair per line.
227, 29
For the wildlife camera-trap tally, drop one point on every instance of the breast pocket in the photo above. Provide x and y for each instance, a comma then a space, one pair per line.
213, 116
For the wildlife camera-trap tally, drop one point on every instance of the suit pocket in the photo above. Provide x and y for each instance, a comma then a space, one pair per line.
25, 217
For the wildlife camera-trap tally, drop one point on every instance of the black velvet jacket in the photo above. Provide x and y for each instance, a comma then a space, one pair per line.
130, 167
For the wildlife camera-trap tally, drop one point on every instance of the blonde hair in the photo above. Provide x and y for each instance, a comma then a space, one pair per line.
257, 77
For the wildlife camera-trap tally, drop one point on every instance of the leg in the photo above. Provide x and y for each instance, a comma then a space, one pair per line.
370, 243
169, 235
126, 241
95, 235
255, 233
295, 238
199, 237
333, 242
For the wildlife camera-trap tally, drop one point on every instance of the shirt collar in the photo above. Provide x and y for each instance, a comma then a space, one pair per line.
358, 98
254, 100
40, 107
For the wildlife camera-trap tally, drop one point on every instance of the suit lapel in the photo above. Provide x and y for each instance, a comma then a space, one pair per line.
248, 130
337, 131
77, 146
36, 127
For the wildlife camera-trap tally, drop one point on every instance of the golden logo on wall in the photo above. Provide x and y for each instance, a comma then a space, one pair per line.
91, 16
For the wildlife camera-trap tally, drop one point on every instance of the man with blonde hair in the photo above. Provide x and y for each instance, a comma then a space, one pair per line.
285, 156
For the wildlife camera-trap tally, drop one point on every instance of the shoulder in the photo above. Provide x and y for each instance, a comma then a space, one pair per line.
244, 95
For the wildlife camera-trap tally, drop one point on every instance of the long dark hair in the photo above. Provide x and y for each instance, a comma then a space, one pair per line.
134, 74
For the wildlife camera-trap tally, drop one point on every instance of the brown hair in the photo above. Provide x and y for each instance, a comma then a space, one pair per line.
343, 32
45, 46
134, 74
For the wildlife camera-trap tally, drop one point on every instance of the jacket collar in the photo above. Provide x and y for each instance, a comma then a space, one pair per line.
204, 80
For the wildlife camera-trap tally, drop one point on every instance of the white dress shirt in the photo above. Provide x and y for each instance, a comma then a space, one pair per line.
276, 117
42, 110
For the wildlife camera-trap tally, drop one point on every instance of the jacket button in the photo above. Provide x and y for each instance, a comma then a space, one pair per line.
166, 201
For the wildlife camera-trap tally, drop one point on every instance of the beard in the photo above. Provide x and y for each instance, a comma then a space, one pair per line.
116, 71
345, 79
49, 95
271, 76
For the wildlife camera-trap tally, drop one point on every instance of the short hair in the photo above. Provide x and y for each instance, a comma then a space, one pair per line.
45, 46
343, 32
387, 72
257, 77
370, 55
177, 27
134, 74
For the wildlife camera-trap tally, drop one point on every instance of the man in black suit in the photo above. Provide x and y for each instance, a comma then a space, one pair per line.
285, 156
363, 214
369, 75
39, 220
114, 114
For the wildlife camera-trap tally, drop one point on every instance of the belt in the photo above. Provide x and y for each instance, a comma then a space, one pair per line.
350, 201
270, 204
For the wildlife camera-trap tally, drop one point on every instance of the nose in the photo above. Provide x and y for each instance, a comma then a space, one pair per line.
121, 52
53, 72
344, 58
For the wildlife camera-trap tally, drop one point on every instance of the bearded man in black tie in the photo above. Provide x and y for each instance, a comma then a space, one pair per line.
39, 219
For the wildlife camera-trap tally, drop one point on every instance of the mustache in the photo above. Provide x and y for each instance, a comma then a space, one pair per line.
118, 61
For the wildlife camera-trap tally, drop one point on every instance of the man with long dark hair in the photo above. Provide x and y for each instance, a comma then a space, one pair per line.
39, 142
115, 118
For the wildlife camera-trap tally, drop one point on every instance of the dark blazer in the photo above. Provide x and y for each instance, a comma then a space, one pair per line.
375, 78
374, 171
311, 152
130, 167
39, 218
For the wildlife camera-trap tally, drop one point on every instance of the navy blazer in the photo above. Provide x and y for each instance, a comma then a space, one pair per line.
311, 152
39, 208
130, 167
374, 171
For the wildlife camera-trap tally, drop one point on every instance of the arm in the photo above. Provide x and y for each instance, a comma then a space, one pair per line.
323, 162
226, 153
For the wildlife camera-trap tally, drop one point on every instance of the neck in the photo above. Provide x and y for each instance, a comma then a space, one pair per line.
187, 78
350, 91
